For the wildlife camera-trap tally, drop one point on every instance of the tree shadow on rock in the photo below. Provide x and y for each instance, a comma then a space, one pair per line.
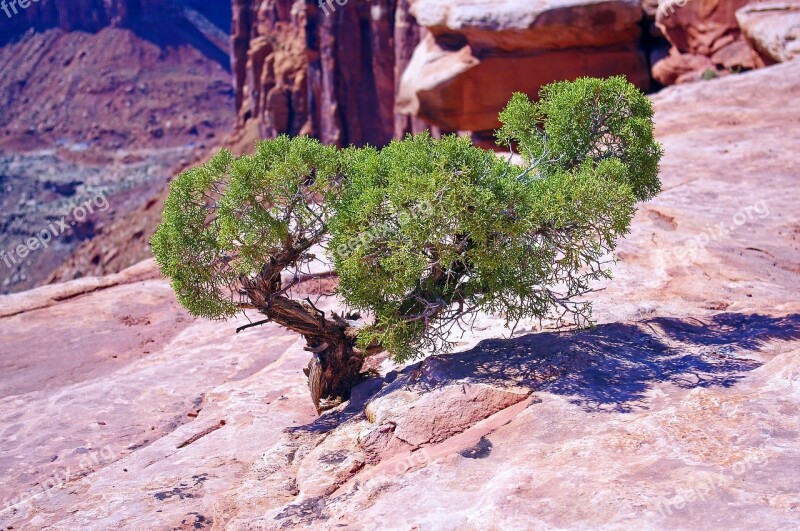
610, 367
361, 394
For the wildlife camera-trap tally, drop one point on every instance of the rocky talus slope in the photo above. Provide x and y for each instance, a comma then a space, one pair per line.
103, 99
679, 410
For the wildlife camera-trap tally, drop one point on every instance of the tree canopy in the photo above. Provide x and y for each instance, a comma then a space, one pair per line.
423, 233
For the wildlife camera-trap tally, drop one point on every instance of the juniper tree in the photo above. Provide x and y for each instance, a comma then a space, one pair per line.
423, 234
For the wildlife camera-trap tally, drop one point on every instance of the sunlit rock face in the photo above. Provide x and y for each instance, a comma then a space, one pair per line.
476, 53
327, 70
772, 28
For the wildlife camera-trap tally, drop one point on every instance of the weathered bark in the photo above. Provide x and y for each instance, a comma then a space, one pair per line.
332, 372
336, 364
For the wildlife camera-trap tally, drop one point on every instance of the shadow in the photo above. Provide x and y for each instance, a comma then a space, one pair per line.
218, 13
164, 24
359, 396
610, 367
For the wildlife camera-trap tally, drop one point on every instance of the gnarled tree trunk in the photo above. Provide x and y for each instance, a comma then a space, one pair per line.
332, 372
336, 364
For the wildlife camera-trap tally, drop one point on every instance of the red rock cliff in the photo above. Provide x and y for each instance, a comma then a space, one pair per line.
362, 72
328, 71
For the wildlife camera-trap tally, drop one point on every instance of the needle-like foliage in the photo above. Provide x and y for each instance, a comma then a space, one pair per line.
225, 220
468, 232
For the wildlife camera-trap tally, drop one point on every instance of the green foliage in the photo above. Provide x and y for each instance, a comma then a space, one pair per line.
225, 219
425, 233
185, 245
469, 233
588, 120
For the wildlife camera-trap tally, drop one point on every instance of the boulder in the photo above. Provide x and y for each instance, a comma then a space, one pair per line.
681, 68
519, 25
772, 28
699, 26
477, 53
430, 414
702, 28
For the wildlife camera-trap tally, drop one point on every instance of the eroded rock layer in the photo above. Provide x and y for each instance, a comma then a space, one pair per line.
477, 53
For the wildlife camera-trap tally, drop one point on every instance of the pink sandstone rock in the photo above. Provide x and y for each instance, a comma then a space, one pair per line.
517, 25
301, 68
772, 28
477, 53
702, 28
679, 410
680, 68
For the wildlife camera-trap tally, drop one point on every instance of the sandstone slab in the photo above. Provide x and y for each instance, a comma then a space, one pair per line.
515, 25
773, 29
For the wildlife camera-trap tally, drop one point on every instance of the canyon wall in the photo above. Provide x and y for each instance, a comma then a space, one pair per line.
367, 72
328, 71
371, 70
477, 53
69, 15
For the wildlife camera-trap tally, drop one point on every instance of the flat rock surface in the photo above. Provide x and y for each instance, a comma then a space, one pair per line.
514, 25
679, 410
